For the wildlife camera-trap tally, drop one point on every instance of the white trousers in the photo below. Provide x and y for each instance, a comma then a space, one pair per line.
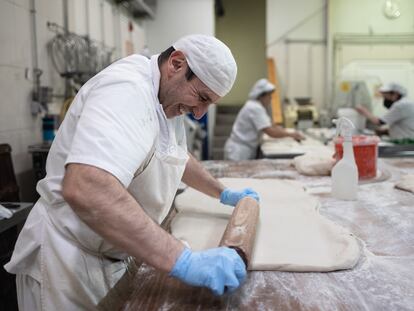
28, 293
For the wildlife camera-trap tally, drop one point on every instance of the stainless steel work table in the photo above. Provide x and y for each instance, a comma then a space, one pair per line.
383, 218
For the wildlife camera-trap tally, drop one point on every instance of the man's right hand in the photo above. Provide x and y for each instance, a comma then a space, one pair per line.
216, 269
297, 136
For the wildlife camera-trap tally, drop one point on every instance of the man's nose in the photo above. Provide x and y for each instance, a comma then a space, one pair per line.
200, 111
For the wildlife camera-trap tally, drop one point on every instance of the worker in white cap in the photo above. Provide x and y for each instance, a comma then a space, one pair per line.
112, 173
398, 122
253, 120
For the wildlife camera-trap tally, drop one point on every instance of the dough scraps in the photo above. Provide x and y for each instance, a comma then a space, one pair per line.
314, 164
406, 183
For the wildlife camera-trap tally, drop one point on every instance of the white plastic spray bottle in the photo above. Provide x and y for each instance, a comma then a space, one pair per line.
345, 172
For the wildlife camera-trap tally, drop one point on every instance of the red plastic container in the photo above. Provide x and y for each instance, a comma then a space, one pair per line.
366, 154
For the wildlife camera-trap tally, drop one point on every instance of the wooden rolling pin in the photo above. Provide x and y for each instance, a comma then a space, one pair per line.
241, 228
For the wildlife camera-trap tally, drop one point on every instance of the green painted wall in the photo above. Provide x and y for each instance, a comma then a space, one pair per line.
243, 29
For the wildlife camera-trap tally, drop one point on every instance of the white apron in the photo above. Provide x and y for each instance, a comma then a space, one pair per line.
238, 151
77, 266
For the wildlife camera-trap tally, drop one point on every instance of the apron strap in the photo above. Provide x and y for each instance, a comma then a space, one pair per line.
146, 161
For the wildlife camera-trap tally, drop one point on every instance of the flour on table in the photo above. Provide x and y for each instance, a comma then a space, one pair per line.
406, 183
291, 234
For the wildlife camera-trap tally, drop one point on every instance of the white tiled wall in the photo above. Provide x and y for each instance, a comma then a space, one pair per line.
106, 23
95, 20
7, 50
77, 16
17, 126
109, 35
295, 41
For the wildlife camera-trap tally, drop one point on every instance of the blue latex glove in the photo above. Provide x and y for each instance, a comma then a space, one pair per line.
216, 269
232, 197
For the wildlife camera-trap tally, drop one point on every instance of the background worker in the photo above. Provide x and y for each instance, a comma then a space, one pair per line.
398, 122
112, 173
253, 120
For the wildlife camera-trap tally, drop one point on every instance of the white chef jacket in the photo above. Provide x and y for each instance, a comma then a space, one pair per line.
115, 123
245, 136
400, 119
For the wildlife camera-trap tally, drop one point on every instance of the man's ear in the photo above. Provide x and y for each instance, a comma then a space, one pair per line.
177, 62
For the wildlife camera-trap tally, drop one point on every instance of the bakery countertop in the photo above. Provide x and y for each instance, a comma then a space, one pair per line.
382, 218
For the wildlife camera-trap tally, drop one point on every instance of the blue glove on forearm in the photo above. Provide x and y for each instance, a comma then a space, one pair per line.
216, 269
232, 197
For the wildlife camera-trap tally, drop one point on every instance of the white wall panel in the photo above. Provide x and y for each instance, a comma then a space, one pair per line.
7, 16
50, 10
22, 40
294, 19
356, 16
295, 40
17, 126
139, 38
8, 109
349, 52
177, 18
24, 4
77, 16
317, 74
299, 68
95, 30
126, 36
109, 26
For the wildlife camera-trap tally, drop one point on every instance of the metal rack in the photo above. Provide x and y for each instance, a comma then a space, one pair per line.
77, 57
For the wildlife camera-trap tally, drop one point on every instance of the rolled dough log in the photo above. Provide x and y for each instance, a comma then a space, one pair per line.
291, 234
314, 164
406, 183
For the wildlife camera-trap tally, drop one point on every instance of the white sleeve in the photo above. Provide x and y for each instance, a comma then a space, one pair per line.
260, 119
116, 130
395, 114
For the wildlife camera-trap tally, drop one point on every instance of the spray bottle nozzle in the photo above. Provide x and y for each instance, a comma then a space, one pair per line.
344, 128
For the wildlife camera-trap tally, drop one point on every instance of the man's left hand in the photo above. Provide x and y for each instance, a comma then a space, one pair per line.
232, 197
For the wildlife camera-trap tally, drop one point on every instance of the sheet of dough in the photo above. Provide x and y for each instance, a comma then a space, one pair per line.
288, 145
291, 235
406, 183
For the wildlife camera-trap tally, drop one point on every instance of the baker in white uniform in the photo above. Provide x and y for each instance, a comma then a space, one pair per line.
112, 174
253, 120
398, 122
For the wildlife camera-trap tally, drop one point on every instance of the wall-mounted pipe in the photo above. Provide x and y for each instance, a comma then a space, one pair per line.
35, 57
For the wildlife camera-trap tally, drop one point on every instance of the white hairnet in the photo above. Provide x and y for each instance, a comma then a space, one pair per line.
393, 87
260, 87
210, 60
